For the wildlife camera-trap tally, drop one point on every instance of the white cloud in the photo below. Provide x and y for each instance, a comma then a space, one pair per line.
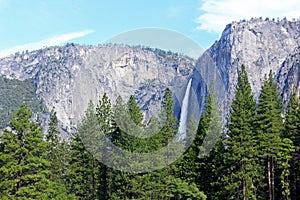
48, 42
216, 14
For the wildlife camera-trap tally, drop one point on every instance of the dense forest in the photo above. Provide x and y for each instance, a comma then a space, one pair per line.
256, 157
16, 93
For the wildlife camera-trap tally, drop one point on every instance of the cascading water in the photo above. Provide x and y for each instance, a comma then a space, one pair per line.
184, 112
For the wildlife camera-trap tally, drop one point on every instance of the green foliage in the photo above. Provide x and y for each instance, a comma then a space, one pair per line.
24, 170
14, 93
155, 186
241, 153
149, 185
135, 111
180, 189
81, 171
215, 167
57, 152
273, 150
291, 131
258, 158
170, 122
197, 156
106, 123
53, 148
83, 177
292, 120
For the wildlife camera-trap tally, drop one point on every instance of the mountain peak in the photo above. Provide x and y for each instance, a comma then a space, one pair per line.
259, 44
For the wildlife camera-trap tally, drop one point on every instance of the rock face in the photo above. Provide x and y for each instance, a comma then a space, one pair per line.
288, 76
68, 77
260, 45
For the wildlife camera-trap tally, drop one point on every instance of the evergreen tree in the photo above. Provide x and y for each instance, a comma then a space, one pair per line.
161, 139
118, 180
92, 134
134, 111
187, 167
129, 118
208, 145
150, 185
210, 126
56, 155
196, 157
106, 123
274, 151
291, 131
215, 168
168, 113
240, 156
53, 150
80, 179
154, 186
24, 168
129, 122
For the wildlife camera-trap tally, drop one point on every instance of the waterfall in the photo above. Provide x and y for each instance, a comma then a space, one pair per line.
184, 112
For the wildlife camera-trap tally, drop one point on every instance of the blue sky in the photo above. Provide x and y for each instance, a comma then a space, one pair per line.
32, 24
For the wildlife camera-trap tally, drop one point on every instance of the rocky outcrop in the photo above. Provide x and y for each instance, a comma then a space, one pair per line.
288, 76
260, 45
68, 77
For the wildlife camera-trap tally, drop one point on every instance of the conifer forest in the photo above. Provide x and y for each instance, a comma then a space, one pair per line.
256, 155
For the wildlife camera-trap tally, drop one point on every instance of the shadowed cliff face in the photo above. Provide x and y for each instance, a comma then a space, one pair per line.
288, 76
68, 77
261, 45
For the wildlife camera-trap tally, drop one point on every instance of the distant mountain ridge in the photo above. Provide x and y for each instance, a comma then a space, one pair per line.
67, 77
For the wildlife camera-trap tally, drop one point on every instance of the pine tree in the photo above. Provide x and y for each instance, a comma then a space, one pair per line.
241, 153
134, 111
167, 111
149, 185
118, 181
208, 131
129, 122
187, 166
215, 168
208, 144
81, 170
104, 113
24, 168
161, 139
291, 131
92, 132
274, 151
170, 124
56, 155
53, 148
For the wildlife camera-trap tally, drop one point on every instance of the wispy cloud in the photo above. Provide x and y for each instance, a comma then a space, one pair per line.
216, 14
48, 42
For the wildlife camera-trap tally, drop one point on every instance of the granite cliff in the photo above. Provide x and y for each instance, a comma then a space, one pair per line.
261, 45
67, 77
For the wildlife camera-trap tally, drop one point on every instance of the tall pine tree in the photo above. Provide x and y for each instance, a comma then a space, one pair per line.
24, 168
53, 150
240, 156
274, 151
104, 113
80, 180
291, 131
